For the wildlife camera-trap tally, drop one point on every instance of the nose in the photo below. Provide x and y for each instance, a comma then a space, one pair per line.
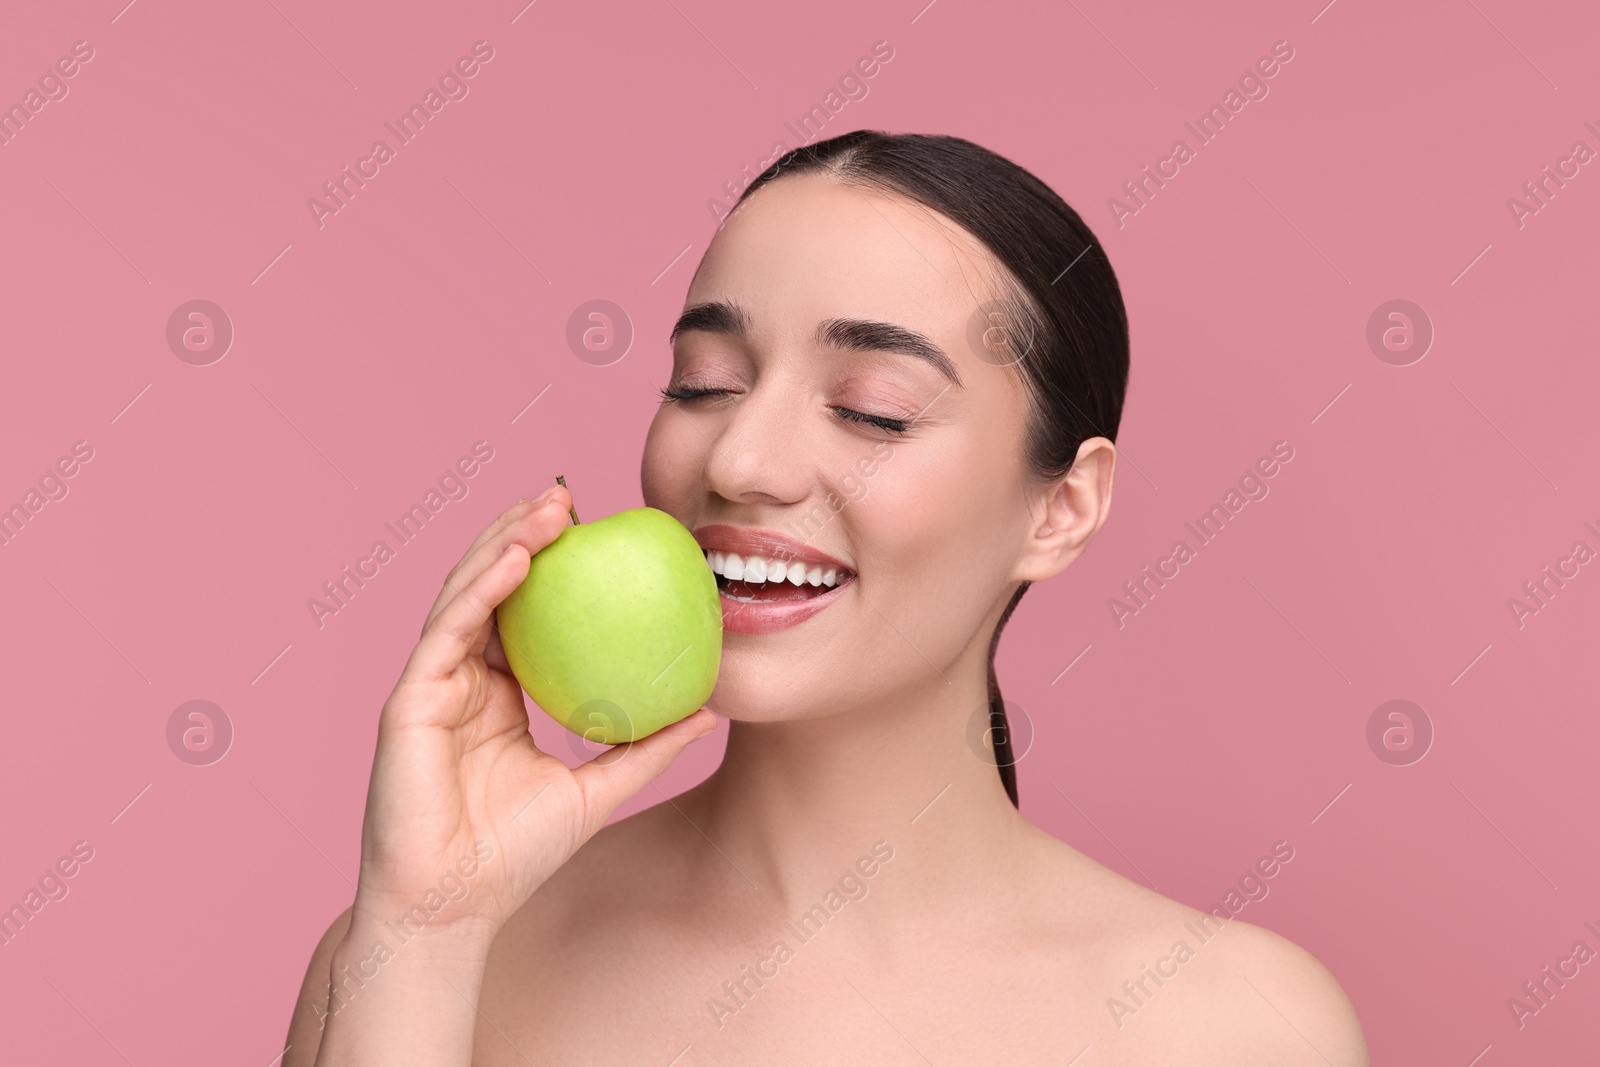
760, 456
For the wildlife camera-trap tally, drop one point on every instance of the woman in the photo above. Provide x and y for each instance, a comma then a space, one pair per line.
900, 369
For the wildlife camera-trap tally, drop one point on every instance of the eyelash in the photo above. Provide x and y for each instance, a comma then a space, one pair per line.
895, 426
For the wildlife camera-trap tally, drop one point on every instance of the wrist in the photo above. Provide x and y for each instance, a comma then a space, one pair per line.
457, 905
414, 931
402, 996
380, 963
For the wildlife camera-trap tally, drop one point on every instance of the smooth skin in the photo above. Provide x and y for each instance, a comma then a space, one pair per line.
983, 939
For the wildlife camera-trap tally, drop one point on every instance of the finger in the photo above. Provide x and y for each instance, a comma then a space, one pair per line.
494, 652
617, 774
462, 628
453, 579
490, 543
533, 529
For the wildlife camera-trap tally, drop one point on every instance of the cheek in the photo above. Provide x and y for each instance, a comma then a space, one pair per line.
673, 462
933, 526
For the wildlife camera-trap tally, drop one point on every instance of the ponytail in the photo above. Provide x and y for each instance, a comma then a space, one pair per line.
999, 727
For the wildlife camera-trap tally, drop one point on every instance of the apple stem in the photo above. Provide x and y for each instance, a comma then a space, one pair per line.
572, 509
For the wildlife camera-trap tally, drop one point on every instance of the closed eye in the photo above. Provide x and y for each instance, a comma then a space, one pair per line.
669, 394
880, 421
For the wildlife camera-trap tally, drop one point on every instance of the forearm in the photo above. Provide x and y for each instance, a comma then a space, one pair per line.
395, 1001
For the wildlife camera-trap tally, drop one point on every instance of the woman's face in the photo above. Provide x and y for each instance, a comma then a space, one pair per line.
835, 419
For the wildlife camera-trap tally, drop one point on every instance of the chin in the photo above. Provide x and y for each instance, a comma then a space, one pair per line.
750, 689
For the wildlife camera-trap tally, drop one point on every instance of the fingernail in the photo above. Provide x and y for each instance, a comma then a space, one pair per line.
542, 497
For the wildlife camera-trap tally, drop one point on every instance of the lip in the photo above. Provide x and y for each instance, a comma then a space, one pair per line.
763, 617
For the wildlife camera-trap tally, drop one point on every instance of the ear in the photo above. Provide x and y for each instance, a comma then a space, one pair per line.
1072, 512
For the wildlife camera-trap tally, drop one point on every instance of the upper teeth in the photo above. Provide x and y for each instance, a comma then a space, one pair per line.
758, 569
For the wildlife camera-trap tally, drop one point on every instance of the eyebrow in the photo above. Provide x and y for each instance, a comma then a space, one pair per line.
717, 316
862, 335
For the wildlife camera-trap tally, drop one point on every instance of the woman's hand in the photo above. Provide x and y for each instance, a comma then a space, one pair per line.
456, 766
459, 796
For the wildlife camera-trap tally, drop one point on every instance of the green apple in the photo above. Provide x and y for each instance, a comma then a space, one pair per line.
617, 630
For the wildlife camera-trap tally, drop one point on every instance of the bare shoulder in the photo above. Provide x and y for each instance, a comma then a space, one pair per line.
1265, 993
1168, 981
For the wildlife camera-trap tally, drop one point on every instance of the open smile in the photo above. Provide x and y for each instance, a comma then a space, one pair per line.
769, 582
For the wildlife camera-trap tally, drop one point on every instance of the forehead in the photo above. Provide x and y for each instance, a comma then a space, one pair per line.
808, 247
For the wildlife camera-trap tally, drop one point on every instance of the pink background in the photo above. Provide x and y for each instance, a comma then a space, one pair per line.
428, 313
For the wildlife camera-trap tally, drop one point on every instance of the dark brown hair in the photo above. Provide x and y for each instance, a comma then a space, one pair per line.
1063, 309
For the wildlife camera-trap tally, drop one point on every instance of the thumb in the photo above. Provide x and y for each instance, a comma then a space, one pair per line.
618, 773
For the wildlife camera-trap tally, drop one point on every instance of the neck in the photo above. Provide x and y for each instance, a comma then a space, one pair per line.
795, 803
